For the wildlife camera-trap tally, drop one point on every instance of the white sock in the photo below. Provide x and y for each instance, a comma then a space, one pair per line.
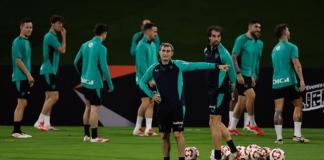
139, 121
234, 123
41, 118
148, 124
297, 129
251, 120
230, 117
278, 129
246, 119
47, 122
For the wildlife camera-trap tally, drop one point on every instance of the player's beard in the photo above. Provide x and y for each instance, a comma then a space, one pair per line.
256, 35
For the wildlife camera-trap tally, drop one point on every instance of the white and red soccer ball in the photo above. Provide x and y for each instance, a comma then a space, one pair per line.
277, 154
191, 153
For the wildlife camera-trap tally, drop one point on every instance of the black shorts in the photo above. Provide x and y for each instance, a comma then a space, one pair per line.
289, 92
50, 82
141, 93
241, 88
220, 107
170, 117
92, 95
22, 89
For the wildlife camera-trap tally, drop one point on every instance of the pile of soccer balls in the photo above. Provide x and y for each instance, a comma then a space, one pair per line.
251, 152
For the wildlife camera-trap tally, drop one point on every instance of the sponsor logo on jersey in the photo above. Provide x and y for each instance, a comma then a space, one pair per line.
86, 81
281, 80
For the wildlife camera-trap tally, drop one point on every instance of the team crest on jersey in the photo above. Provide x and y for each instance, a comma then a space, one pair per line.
277, 48
90, 45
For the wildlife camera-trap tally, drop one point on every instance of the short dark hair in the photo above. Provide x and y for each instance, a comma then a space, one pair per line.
100, 28
280, 28
214, 28
56, 18
25, 20
254, 21
166, 44
148, 26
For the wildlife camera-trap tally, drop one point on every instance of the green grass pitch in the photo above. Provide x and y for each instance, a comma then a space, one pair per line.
67, 144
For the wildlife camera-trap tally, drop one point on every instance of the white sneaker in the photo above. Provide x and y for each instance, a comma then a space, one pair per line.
40, 126
300, 139
86, 139
99, 140
51, 128
279, 141
20, 135
151, 132
138, 132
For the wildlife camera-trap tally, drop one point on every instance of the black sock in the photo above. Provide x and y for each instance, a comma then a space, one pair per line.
166, 158
181, 158
86, 130
94, 132
217, 154
17, 127
230, 143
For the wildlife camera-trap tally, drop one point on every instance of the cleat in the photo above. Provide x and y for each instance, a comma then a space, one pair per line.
258, 131
300, 139
234, 156
247, 127
139, 132
151, 132
99, 140
279, 141
86, 139
21, 135
51, 128
235, 132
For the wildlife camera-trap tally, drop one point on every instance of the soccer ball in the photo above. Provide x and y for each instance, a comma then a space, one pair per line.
250, 148
277, 154
243, 155
226, 152
255, 154
191, 153
266, 152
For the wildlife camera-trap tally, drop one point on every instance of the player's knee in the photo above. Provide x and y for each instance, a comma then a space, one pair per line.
22, 103
177, 135
165, 137
278, 117
250, 94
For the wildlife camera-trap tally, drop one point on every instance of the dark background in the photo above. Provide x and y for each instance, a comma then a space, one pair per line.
182, 22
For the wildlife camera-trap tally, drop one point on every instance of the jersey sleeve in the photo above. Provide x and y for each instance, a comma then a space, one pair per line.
145, 79
294, 52
191, 66
133, 44
238, 45
53, 41
157, 42
231, 71
17, 50
77, 61
257, 66
141, 64
104, 67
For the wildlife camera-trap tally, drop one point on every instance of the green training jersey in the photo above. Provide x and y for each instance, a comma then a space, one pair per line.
155, 70
138, 37
249, 53
20, 49
283, 70
93, 57
145, 56
51, 55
